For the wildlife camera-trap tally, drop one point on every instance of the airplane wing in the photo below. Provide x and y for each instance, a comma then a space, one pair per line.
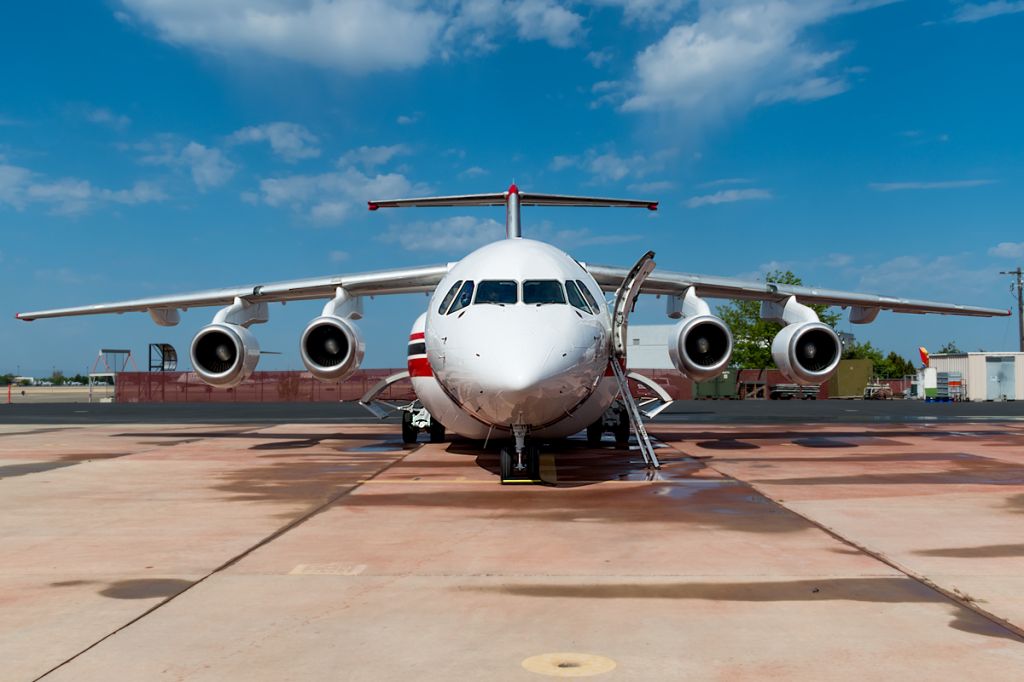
398, 281
710, 286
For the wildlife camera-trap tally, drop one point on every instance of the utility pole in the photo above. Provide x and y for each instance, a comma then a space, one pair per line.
1020, 302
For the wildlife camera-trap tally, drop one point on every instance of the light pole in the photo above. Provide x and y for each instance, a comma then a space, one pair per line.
1020, 302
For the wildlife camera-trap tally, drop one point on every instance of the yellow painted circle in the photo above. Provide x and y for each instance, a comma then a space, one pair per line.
569, 664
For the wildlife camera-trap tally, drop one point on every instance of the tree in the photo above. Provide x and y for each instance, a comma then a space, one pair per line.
752, 335
950, 347
895, 366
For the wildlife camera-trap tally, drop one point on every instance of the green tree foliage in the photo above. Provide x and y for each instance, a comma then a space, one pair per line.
891, 366
753, 336
950, 347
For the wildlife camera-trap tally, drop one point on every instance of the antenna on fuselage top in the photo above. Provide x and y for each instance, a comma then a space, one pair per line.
511, 199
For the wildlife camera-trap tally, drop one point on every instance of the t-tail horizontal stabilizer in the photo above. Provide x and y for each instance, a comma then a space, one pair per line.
512, 199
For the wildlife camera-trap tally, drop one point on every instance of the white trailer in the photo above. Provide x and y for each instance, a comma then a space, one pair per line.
986, 375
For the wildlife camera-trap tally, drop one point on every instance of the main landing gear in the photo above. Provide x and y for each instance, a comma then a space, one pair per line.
418, 419
615, 420
520, 464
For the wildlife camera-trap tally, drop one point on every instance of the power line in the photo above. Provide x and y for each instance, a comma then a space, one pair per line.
1020, 301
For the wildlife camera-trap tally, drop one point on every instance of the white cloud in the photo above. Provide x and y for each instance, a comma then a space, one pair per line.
1007, 250
353, 36
606, 166
838, 260
947, 184
971, 11
473, 172
371, 157
20, 187
945, 275
599, 58
654, 186
357, 36
455, 234
337, 256
549, 21
408, 119
330, 198
461, 234
290, 141
728, 196
726, 181
739, 54
139, 193
106, 117
209, 167
646, 11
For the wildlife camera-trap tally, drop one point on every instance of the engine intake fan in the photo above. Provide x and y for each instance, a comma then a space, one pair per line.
224, 355
332, 348
807, 353
700, 347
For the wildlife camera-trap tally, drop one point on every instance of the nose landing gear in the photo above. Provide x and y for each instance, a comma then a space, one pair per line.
520, 464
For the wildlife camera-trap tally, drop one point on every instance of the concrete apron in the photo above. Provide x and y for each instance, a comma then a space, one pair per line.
328, 552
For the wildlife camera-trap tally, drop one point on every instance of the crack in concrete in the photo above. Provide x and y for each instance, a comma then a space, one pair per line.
952, 595
294, 523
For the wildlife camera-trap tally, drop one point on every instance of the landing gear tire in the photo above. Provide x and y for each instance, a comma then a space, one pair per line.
594, 433
409, 432
531, 463
622, 432
436, 431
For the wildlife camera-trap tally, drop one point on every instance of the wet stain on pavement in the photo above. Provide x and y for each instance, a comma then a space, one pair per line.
146, 588
876, 590
12, 470
982, 552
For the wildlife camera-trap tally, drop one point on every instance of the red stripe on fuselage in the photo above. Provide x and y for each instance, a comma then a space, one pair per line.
608, 370
420, 367
416, 336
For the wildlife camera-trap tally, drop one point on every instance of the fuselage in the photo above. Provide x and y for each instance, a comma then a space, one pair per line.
517, 333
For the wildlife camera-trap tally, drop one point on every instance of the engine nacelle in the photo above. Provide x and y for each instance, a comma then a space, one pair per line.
224, 355
332, 348
807, 352
700, 347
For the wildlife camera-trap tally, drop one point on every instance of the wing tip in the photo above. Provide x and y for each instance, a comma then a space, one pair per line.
653, 206
371, 206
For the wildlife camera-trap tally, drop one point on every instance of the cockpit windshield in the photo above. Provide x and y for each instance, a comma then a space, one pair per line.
542, 292
498, 291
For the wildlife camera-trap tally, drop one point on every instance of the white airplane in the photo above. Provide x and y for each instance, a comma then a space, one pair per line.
518, 342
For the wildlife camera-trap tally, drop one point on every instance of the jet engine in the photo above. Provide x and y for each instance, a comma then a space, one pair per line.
700, 347
332, 348
224, 355
807, 352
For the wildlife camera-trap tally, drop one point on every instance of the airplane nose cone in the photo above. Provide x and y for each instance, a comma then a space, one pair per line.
526, 373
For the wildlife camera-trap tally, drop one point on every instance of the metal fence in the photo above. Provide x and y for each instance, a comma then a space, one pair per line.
301, 387
261, 387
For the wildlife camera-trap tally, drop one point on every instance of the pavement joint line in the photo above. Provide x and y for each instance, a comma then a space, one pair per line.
951, 595
294, 523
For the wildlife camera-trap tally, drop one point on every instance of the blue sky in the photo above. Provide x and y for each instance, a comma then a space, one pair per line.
149, 147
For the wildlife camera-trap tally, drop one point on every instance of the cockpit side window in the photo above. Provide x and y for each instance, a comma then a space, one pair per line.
464, 298
576, 299
498, 291
589, 296
447, 300
542, 292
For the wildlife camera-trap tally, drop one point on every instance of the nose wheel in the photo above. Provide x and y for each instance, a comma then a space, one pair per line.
520, 468
520, 464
